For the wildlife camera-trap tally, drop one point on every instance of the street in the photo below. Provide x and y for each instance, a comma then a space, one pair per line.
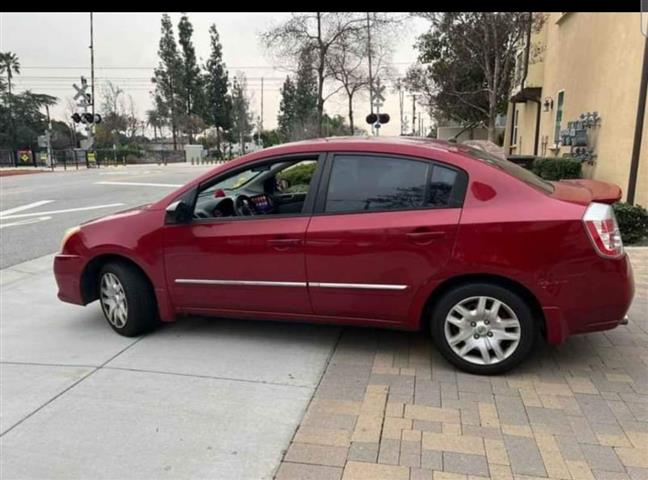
36, 209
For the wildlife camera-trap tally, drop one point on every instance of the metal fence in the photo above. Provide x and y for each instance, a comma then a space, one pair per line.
78, 158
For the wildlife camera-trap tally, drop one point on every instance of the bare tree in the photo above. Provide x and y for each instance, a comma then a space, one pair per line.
348, 59
132, 122
320, 31
349, 67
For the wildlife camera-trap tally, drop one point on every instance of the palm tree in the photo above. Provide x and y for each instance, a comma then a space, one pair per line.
9, 63
155, 120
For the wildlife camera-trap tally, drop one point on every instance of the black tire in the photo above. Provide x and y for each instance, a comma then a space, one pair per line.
528, 330
141, 312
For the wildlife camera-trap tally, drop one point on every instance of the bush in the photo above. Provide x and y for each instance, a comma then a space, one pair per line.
554, 168
299, 174
633, 222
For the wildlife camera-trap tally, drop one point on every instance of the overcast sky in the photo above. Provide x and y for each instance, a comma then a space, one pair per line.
53, 52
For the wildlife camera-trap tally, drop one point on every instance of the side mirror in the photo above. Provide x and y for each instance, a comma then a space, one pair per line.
178, 212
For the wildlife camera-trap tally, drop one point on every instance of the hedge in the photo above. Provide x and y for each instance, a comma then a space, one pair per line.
633, 222
555, 168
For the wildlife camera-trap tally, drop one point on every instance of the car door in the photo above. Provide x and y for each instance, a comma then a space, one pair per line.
240, 264
383, 227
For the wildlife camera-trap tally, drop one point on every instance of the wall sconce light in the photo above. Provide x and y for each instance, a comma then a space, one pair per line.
548, 104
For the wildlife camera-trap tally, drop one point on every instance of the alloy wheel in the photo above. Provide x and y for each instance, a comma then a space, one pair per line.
482, 330
113, 300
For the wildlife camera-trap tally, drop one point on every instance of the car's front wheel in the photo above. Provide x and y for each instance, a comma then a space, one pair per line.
127, 299
483, 328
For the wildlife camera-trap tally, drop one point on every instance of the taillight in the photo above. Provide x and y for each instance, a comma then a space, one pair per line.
602, 228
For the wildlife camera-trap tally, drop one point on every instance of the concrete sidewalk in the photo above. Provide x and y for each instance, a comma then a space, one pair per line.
196, 399
390, 408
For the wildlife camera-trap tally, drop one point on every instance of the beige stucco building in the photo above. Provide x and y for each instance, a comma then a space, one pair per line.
581, 63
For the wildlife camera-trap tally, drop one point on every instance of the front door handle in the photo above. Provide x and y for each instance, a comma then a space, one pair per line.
282, 244
425, 237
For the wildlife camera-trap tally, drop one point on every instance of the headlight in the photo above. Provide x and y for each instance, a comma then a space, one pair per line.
68, 233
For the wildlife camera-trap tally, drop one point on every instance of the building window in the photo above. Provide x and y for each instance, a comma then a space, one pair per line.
559, 115
514, 134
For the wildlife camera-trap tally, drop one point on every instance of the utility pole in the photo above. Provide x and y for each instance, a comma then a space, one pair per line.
49, 138
401, 98
92, 82
414, 115
261, 103
371, 86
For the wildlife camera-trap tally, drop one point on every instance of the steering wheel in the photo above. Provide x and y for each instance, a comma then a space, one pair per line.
243, 207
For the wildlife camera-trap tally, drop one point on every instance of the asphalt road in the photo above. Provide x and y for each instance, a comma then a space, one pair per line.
28, 231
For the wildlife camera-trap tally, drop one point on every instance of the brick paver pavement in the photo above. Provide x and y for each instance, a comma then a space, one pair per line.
389, 407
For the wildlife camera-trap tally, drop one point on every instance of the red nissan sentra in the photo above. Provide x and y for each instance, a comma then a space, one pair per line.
387, 232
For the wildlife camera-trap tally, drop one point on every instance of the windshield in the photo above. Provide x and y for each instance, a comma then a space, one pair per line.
511, 168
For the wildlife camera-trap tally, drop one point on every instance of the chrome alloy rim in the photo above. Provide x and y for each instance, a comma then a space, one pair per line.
482, 330
113, 300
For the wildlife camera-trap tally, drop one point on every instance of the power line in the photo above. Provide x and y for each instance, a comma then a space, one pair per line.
134, 67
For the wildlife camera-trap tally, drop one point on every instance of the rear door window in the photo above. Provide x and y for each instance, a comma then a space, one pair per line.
373, 183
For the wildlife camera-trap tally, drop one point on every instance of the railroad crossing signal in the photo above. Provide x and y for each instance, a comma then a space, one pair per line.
378, 93
84, 99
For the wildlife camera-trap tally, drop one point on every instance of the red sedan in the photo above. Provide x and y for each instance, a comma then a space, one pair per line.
402, 233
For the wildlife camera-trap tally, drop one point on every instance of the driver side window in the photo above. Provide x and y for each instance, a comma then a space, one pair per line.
271, 188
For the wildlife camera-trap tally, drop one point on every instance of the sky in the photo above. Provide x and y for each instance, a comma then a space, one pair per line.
53, 49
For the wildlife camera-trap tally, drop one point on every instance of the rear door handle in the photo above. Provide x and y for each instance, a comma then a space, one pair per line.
424, 237
284, 243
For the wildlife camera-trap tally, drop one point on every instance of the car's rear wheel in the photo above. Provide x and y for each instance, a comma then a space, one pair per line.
483, 328
127, 299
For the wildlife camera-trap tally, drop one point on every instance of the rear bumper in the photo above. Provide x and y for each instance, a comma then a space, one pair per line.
597, 300
67, 271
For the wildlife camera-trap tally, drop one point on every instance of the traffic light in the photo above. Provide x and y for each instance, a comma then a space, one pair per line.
380, 119
86, 118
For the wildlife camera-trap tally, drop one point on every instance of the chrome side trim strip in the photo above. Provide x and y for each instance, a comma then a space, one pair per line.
239, 283
362, 286
359, 286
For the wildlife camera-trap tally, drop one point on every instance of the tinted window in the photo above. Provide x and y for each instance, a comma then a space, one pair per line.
362, 182
442, 183
375, 183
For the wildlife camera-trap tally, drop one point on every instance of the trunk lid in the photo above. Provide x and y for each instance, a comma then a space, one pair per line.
584, 191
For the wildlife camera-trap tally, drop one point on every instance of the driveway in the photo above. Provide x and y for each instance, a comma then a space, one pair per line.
389, 408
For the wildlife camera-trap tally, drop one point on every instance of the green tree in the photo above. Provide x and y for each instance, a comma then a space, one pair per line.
241, 116
22, 120
219, 103
62, 135
286, 116
471, 58
298, 107
306, 97
191, 90
168, 78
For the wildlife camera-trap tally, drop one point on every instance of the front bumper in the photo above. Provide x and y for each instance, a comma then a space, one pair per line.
67, 272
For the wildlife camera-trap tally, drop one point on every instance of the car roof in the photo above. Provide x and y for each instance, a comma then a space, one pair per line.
332, 143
